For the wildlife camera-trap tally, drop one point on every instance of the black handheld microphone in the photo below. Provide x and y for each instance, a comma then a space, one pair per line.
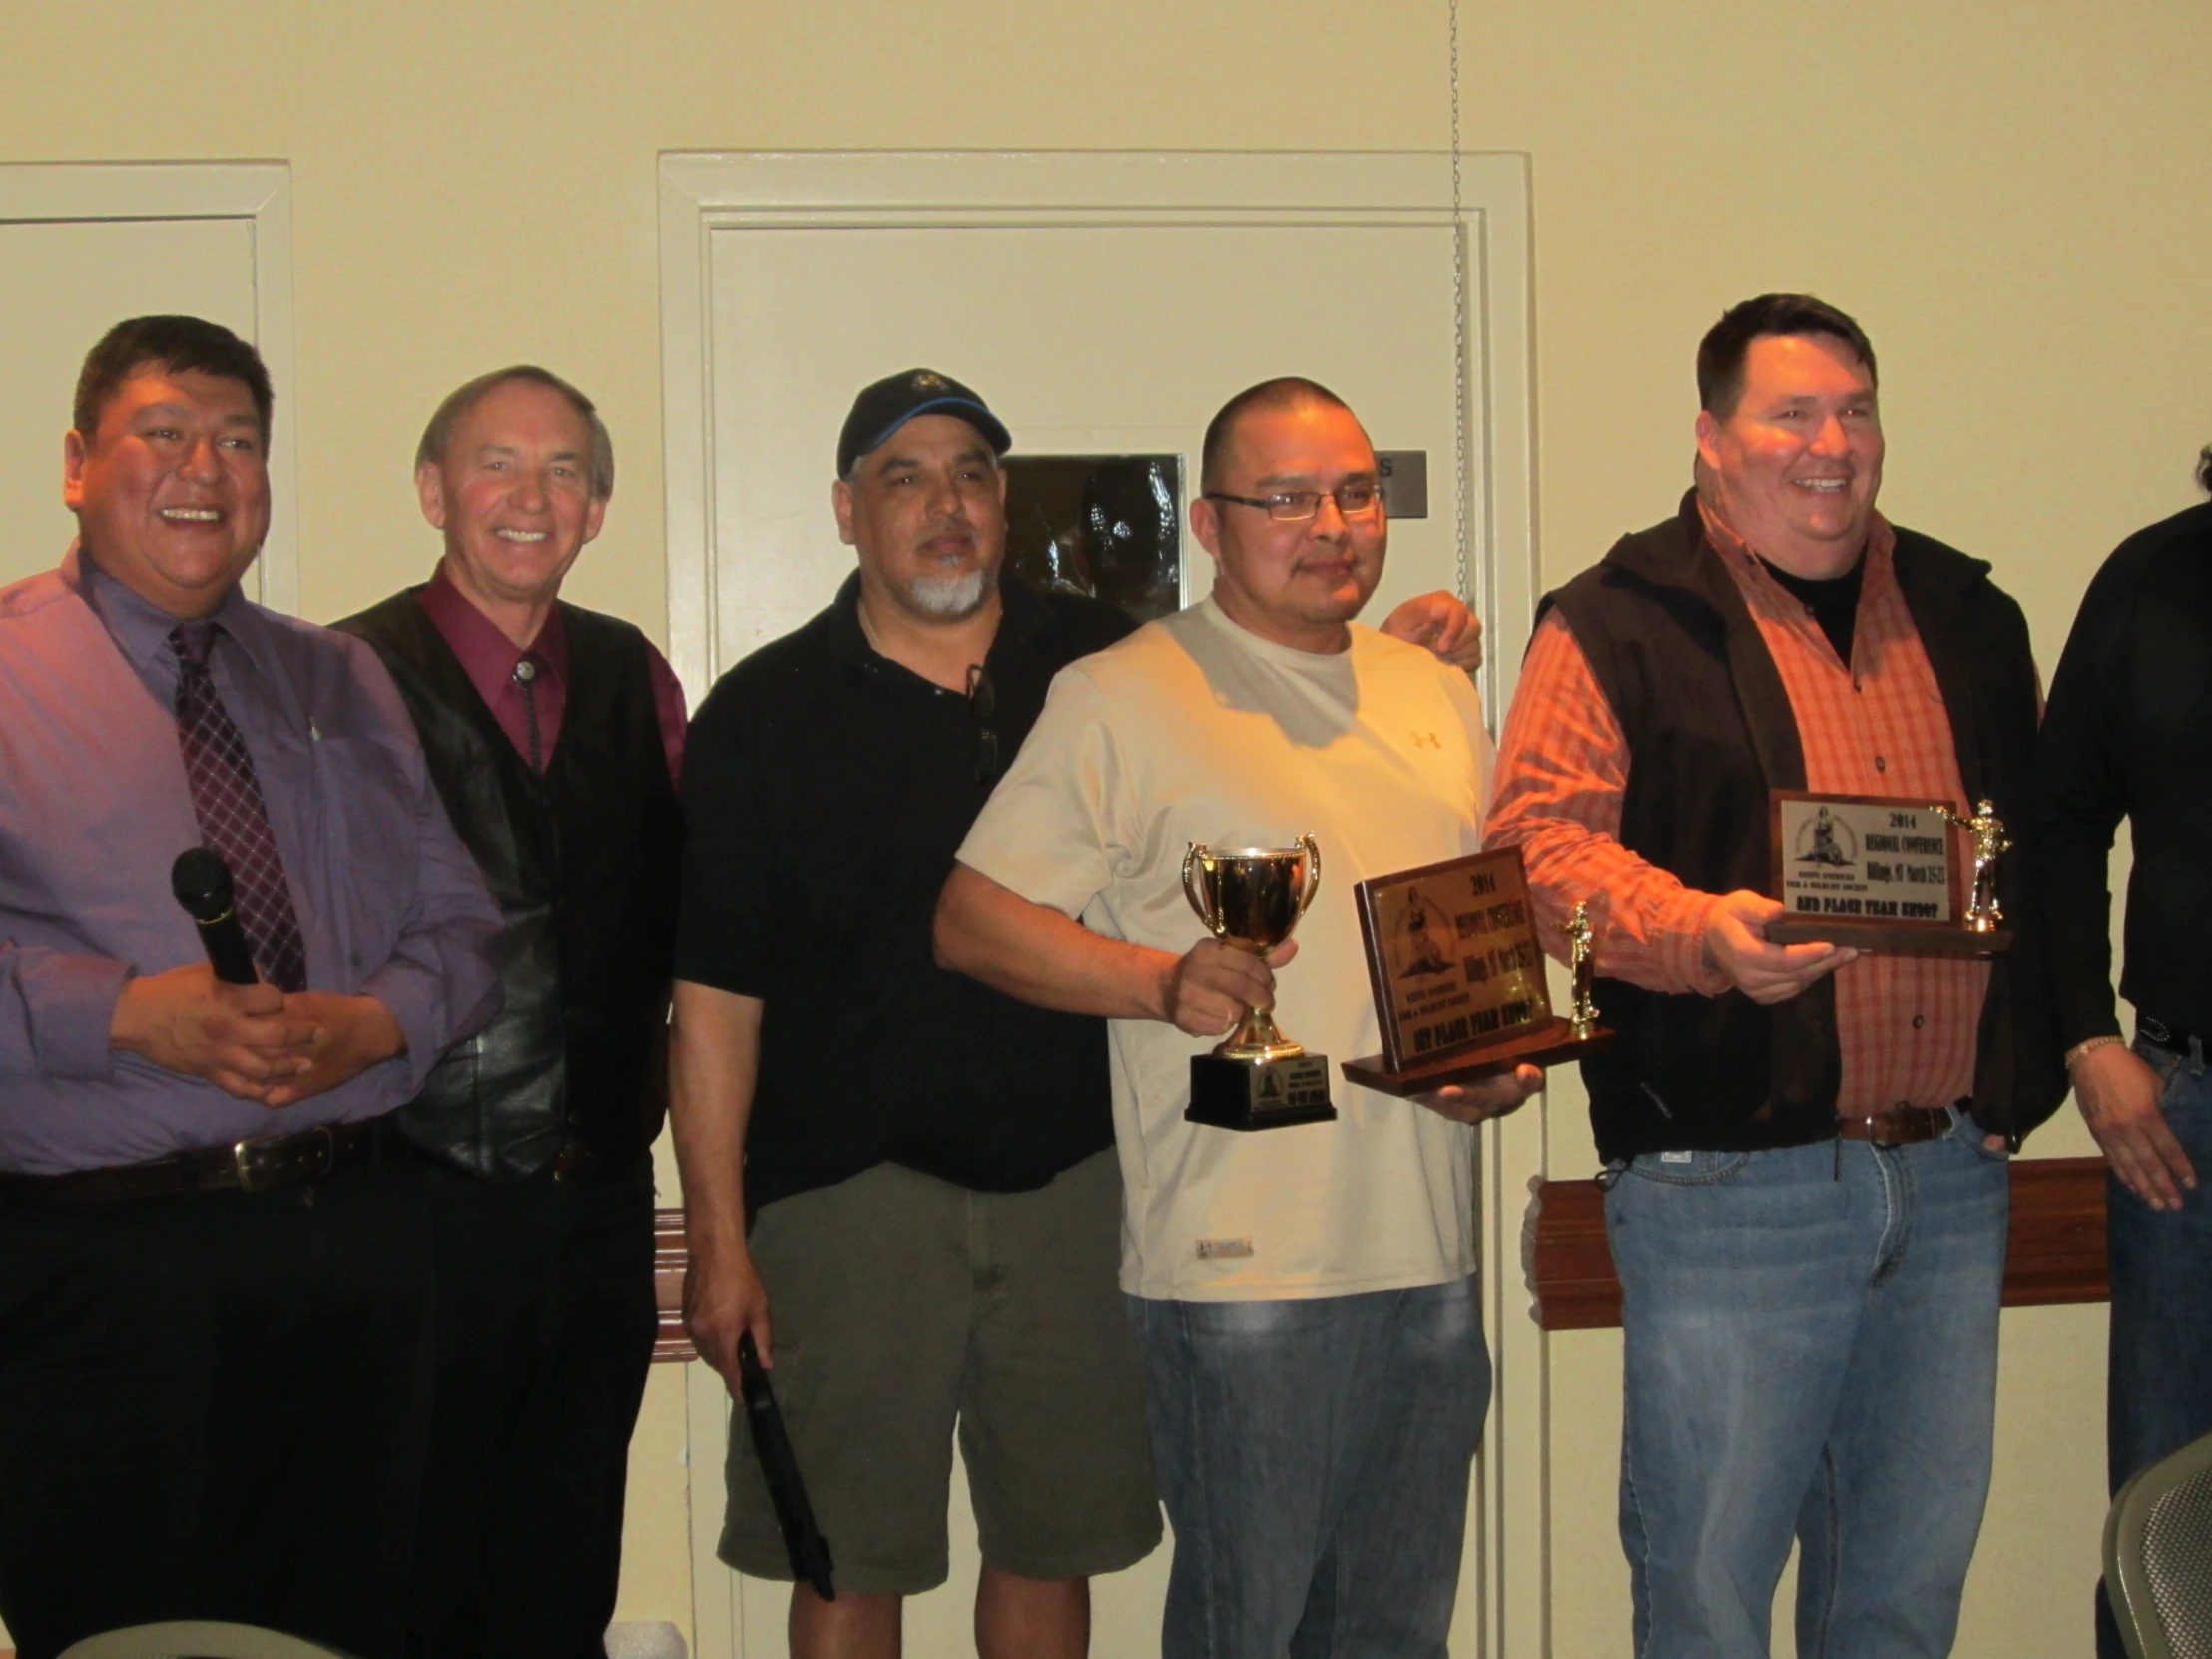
803, 1543
201, 882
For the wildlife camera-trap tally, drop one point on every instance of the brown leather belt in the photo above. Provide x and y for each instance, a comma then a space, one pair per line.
253, 1165
1898, 1126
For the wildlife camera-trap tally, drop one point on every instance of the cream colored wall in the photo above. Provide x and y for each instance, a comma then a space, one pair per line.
2010, 196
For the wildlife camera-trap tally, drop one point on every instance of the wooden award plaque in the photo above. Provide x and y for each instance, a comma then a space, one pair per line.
1875, 873
1458, 977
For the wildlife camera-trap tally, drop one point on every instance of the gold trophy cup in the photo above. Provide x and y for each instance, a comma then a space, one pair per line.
1250, 898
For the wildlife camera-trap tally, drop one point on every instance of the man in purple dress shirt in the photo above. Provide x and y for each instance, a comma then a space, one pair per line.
555, 735
214, 1265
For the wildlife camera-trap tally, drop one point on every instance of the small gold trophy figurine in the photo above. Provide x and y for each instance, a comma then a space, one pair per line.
1250, 899
1990, 844
1583, 1016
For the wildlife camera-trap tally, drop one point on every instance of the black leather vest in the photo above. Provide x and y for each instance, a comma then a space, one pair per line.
583, 864
1708, 721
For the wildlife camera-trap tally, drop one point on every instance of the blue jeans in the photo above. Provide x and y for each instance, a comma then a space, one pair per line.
2159, 1389
1811, 1350
1312, 1454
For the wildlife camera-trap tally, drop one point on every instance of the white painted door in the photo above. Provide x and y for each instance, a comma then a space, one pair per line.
1085, 340
83, 247
1101, 305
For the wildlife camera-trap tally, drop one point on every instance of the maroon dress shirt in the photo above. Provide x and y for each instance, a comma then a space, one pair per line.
489, 658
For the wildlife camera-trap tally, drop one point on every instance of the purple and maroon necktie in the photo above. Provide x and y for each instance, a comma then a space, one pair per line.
227, 799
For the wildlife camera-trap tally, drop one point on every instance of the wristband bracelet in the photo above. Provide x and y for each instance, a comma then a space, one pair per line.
2089, 1046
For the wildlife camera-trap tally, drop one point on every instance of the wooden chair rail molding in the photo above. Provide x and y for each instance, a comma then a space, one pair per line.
669, 1257
2055, 1251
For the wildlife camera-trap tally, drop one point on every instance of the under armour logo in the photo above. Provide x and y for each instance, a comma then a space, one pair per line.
1427, 740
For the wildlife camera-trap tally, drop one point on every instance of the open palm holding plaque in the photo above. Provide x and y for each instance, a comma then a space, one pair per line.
1881, 872
1458, 977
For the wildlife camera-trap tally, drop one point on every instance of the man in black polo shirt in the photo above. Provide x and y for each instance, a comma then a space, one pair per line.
928, 1164
2129, 735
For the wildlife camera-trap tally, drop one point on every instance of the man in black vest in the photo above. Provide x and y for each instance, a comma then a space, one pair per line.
1805, 1145
554, 734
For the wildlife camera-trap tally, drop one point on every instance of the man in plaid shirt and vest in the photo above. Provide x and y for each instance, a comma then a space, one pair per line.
1805, 1145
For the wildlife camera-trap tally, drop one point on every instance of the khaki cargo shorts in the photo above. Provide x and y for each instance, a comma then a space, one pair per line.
903, 1306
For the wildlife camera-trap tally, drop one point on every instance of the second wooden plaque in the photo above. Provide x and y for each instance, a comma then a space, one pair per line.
1458, 977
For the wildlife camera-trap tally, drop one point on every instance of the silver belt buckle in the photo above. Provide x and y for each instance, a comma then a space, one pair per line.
265, 1161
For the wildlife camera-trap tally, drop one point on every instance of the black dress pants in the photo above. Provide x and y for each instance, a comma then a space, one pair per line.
214, 1405
545, 1329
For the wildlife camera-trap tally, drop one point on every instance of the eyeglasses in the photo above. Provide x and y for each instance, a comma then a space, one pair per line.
982, 701
1296, 506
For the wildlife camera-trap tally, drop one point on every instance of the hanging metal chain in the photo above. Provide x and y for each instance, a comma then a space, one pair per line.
1461, 460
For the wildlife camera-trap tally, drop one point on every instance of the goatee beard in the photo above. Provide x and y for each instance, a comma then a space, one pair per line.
947, 597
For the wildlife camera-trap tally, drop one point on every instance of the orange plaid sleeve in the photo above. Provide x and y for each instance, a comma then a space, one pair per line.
1562, 767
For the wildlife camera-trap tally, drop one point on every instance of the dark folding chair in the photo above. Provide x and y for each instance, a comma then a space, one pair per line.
2158, 1557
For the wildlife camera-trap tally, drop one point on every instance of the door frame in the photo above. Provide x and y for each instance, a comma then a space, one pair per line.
258, 192
1504, 1599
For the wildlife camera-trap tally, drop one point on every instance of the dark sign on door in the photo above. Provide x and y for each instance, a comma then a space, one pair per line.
1405, 477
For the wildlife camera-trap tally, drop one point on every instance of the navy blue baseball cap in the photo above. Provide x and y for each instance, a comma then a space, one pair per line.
887, 405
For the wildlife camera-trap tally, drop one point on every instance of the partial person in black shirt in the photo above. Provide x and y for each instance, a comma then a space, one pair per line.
927, 1165
2128, 734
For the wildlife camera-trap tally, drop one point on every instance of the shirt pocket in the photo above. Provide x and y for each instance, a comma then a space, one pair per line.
371, 813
